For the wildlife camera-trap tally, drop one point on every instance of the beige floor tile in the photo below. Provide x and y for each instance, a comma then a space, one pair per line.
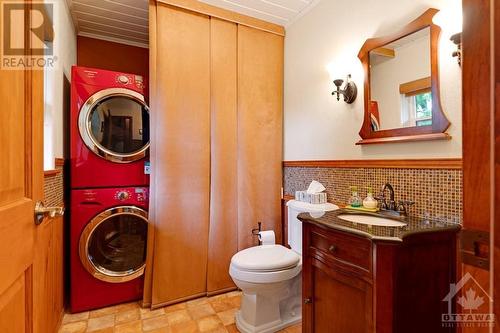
103, 312
179, 316
197, 301
161, 330
232, 329
209, 324
127, 306
201, 311
148, 313
130, 327
175, 307
220, 296
126, 316
101, 322
227, 317
234, 293
105, 330
222, 304
235, 301
294, 329
186, 327
154, 323
74, 327
72, 317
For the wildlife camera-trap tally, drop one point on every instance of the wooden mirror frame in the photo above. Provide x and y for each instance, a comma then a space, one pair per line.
440, 123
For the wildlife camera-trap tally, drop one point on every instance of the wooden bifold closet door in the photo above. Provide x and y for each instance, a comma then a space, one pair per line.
216, 149
182, 155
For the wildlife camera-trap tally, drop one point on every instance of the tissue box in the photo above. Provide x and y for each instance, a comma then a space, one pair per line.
312, 198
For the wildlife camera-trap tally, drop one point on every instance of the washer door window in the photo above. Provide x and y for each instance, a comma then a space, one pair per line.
114, 124
113, 244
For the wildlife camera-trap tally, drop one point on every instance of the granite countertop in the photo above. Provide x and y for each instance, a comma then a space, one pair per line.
413, 225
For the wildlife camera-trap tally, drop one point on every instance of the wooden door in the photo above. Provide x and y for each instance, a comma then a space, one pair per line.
260, 133
477, 159
181, 155
21, 185
223, 234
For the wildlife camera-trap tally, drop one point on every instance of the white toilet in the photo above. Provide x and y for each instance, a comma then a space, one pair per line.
270, 278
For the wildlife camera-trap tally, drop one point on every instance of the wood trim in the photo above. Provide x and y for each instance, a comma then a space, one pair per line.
418, 133
415, 86
203, 8
441, 163
59, 162
384, 52
51, 173
405, 138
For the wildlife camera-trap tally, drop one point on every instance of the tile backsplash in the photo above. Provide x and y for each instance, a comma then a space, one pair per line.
437, 193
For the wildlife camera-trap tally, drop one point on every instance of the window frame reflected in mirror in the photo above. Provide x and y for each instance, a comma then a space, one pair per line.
370, 132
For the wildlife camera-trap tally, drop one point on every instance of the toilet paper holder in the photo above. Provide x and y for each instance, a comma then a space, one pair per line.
256, 231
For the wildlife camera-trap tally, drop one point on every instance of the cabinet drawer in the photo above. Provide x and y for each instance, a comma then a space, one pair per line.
341, 246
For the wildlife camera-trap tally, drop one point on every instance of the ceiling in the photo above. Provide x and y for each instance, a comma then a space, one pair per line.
281, 12
126, 21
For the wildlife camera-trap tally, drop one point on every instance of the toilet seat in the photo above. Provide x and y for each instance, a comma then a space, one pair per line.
265, 264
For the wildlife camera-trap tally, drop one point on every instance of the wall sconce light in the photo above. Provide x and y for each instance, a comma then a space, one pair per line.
457, 40
350, 90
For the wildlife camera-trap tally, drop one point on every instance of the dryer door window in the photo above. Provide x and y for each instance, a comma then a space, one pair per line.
113, 244
114, 124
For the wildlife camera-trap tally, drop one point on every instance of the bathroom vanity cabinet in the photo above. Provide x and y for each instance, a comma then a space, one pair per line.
357, 282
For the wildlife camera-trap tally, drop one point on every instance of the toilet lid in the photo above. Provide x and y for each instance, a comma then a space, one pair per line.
265, 258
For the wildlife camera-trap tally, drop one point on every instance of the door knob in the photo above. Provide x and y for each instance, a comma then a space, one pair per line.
307, 300
42, 212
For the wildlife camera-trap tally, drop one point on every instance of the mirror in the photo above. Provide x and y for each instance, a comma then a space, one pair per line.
402, 85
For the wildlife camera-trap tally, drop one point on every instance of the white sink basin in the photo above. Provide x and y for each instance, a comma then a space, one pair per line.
371, 220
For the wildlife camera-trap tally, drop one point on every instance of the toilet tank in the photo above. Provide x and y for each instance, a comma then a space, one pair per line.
295, 225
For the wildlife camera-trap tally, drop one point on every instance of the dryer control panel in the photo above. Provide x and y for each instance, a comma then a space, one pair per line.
113, 196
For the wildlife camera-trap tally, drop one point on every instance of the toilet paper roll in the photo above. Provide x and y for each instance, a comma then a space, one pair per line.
267, 237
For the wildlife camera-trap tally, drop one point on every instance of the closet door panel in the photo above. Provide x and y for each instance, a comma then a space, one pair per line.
223, 235
260, 132
182, 155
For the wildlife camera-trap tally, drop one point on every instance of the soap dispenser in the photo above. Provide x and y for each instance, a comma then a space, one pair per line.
370, 202
355, 200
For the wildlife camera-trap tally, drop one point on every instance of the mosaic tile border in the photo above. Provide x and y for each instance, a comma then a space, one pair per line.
437, 193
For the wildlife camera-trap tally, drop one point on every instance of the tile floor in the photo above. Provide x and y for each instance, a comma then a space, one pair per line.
208, 314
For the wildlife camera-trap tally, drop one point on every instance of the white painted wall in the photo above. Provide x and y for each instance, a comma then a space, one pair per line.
65, 51
330, 36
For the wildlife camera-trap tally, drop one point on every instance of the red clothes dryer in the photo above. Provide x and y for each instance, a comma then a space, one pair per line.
108, 238
109, 127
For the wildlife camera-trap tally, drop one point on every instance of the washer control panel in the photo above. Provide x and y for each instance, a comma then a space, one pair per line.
122, 195
139, 194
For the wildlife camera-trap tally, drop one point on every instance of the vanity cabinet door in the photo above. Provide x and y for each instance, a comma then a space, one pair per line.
335, 300
339, 302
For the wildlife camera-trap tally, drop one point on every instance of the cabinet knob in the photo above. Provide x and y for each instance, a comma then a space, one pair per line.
332, 248
307, 301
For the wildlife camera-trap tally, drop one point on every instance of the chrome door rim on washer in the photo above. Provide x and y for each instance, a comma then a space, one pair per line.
84, 125
102, 273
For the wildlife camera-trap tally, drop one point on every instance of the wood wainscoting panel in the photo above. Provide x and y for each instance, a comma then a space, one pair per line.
260, 132
181, 133
223, 234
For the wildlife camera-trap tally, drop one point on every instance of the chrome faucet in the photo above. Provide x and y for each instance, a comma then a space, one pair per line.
391, 207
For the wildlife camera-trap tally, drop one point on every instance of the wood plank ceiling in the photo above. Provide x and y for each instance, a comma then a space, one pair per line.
126, 21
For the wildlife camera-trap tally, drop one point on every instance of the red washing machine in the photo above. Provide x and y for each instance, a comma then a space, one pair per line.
108, 238
109, 129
